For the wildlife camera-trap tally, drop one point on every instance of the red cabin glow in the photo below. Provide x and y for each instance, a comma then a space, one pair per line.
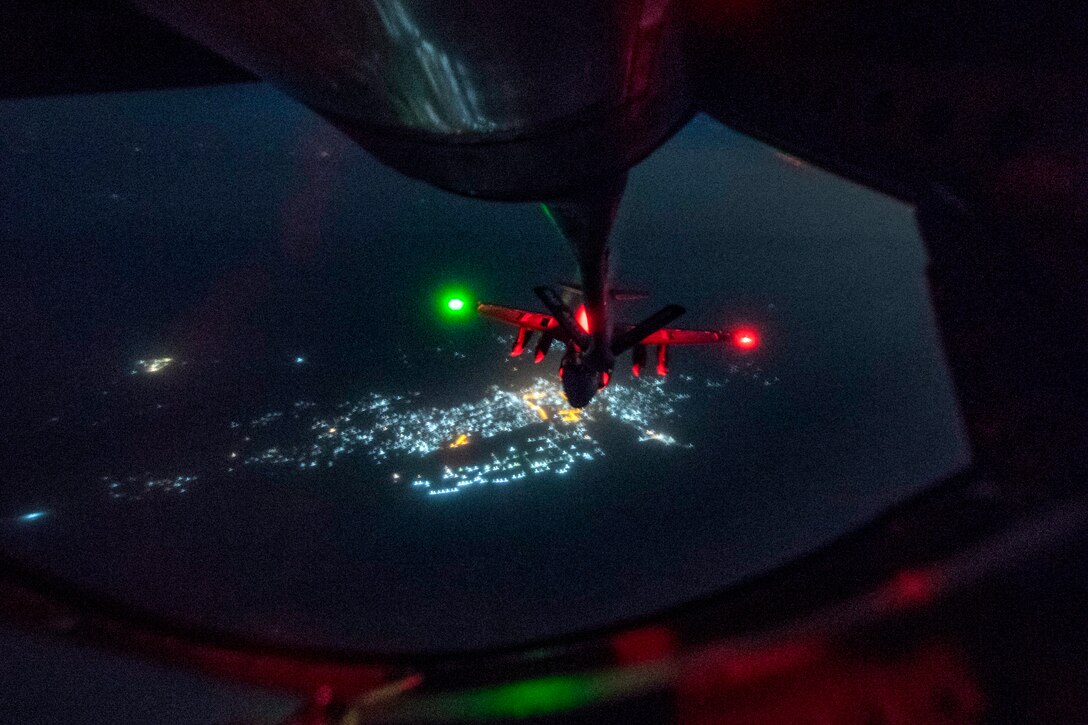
582, 318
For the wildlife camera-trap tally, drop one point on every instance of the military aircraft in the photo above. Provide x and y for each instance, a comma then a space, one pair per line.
594, 341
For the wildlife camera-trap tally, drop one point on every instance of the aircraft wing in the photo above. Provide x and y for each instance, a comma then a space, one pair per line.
677, 336
521, 318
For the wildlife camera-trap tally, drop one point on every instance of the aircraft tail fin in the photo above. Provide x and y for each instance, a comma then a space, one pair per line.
564, 316
619, 295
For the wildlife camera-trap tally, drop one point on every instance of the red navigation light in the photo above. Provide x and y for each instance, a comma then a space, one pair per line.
746, 339
582, 318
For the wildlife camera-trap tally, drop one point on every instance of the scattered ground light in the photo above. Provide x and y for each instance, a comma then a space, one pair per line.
152, 365
545, 435
503, 437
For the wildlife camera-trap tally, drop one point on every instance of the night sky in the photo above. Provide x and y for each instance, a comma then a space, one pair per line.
287, 274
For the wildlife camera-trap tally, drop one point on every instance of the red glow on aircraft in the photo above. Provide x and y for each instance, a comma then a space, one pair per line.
323, 695
912, 587
746, 339
582, 318
592, 345
644, 645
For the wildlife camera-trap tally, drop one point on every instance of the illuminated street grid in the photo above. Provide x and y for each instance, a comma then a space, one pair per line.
539, 434
504, 437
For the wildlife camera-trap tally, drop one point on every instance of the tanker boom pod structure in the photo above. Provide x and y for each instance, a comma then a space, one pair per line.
591, 349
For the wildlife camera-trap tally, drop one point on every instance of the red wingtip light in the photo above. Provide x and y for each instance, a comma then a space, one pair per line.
746, 339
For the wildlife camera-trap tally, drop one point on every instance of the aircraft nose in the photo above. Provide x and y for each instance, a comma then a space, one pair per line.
577, 402
579, 387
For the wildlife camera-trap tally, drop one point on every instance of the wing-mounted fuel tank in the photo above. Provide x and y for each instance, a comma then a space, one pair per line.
542, 347
525, 336
506, 99
638, 359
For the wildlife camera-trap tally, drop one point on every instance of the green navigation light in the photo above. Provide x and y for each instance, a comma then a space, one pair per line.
538, 697
525, 699
454, 303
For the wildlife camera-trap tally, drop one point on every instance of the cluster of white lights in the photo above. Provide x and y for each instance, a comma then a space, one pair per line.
559, 438
652, 435
504, 437
137, 488
152, 365
642, 404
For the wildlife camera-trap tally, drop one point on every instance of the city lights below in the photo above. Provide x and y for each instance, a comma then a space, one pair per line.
503, 435
652, 435
33, 516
